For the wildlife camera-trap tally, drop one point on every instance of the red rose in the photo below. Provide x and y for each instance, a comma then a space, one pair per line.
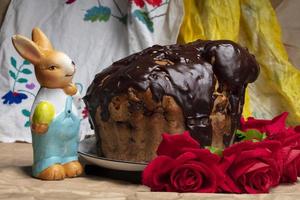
183, 167
189, 172
251, 167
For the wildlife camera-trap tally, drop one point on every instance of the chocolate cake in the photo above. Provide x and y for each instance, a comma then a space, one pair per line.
198, 87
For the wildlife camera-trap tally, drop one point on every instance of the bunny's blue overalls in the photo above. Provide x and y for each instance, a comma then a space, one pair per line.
59, 144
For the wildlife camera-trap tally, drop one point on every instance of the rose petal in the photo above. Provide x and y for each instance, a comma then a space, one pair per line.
199, 170
297, 129
229, 186
239, 169
172, 145
293, 154
237, 148
292, 140
277, 124
203, 155
185, 157
260, 153
227, 161
289, 174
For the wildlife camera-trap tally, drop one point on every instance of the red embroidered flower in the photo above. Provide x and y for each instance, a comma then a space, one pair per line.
183, 167
85, 113
154, 2
251, 167
141, 3
70, 1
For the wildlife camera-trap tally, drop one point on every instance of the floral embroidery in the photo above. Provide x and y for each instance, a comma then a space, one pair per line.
103, 13
141, 3
15, 96
143, 15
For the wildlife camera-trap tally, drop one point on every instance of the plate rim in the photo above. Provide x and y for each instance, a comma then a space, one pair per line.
112, 160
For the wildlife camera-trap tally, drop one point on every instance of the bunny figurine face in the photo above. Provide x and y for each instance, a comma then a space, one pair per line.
53, 69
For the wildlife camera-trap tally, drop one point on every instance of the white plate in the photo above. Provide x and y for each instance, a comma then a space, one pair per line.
87, 150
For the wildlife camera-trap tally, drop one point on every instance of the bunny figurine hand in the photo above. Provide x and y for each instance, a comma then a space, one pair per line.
54, 117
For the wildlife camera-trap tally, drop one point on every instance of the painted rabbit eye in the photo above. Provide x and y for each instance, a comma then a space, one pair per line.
73, 62
51, 68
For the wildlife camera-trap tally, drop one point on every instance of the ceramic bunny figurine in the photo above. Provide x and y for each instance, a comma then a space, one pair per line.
54, 117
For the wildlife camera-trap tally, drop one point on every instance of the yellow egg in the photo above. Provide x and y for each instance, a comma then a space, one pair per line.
43, 113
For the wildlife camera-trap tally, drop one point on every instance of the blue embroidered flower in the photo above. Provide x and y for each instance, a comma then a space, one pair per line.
13, 97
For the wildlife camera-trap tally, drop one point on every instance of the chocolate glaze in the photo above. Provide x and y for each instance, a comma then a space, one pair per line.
190, 77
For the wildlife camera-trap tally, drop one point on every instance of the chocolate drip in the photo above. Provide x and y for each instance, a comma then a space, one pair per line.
186, 72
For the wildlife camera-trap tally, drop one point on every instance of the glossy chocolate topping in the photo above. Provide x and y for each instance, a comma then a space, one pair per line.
189, 73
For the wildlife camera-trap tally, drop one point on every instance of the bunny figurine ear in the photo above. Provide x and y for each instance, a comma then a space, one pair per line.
27, 49
41, 39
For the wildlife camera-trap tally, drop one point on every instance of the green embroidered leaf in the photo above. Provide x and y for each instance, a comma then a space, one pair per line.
26, 112
252, 134
27, 124
13, 62
215, 150
12, 74
26, 62
26, 71
22, 80
144, 18
99, 13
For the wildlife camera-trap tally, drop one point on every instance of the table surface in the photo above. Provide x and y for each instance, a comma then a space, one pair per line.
16, 183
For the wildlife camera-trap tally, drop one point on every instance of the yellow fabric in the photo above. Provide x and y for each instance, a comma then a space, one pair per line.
253, 24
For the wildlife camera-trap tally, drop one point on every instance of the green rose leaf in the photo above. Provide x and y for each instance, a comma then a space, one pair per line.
12, 74
22, 80
27, 124
26, 62
26, 71
26, 112
144, 18
251, 134
13, 62
215, 150
99, 13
